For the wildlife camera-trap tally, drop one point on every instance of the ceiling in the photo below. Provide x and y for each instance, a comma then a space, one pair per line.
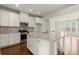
43, 9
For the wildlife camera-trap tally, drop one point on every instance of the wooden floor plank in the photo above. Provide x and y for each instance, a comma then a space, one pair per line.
19, 49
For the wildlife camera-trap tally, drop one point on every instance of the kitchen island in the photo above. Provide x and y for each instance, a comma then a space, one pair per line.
42, 43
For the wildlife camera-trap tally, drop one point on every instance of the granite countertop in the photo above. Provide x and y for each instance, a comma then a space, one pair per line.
45, 36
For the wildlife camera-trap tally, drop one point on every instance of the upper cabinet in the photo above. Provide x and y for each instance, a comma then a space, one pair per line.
14, 19
31, 22
4, 18
9, 18
23, 17
38, 20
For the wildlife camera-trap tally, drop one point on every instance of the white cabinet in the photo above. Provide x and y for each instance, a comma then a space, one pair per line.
23, 17
30, 44
3, 40
9, 39
44, 47
38, 46
14, 19
31, 22
17, 38
14, 38
54, 48
9, 18
4, 18
38, 20
34, 45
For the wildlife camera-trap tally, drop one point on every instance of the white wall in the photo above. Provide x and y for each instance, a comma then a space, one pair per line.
63, 15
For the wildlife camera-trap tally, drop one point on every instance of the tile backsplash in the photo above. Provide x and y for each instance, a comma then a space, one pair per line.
5, 30
11, 30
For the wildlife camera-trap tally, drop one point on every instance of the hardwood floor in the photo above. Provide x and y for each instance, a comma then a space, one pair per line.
19, 49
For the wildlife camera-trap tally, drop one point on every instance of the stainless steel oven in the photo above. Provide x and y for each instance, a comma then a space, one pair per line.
23, 34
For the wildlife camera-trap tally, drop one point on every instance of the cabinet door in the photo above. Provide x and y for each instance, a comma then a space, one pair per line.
30, 43
17, 38
44, 47
11, 39
4, 40
34, 45
31, 22
4, 18
53, 48
14, 38
13, 19
16, 20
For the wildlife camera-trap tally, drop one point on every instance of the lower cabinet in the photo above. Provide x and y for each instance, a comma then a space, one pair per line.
30, 44
14, 38
3, 40
44, 47
38, 46
9, 39
54, 48
17, 38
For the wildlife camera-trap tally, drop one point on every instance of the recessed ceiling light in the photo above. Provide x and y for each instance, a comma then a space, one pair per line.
30, 9
39, 13
17, 5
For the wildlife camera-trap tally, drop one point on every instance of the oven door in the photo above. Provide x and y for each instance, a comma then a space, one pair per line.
23, 36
